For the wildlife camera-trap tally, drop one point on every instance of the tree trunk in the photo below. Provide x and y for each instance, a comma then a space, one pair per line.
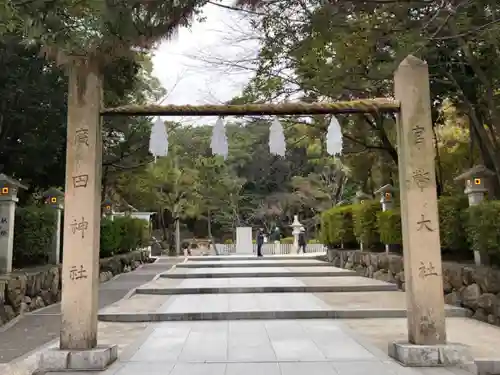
209, 223
177, 236
161, 218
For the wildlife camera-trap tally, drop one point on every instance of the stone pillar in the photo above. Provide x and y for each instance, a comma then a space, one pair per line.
476, 182
419, 210
244, 243
296, 225
54, 198
386, 200
82, 214
8, 200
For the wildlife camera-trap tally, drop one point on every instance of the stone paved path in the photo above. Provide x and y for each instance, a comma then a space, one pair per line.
40, 327
247, 337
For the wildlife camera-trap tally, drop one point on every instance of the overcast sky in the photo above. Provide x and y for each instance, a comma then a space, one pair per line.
181, 63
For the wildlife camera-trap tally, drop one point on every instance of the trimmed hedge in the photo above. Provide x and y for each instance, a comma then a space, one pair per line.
462, 228
365, 223
337, 227
483, 228
389, 227
33, 230
452, 223
122, 235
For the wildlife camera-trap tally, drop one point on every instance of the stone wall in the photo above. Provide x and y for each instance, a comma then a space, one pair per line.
472, 287
30, 289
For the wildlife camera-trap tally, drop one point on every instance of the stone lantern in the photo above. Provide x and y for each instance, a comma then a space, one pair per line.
386, 196
107, 208
361, 197
8, 199
296, 226
54, 198
387, 201
476, 182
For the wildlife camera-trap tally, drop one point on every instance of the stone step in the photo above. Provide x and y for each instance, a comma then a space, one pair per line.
269, 289
165, 286
133, 317
217, 258
200, 273
252, 263
265, 306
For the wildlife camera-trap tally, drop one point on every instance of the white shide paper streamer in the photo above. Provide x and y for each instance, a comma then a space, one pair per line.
219, 144
277, 143
158, 141
334, 138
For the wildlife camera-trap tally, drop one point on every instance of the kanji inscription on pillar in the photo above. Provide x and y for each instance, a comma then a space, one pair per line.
79, 302
419, 216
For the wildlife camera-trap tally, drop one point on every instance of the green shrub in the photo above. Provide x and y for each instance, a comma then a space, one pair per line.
365, 223
337, 227
313, 242
228, 241
122, 235
325, 228
287, 240
110, 238
483, 227
132, 233
389, 227
452, 219
33, 231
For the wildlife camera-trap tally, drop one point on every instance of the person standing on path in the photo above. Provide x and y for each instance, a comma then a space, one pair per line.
302, 240
260, 241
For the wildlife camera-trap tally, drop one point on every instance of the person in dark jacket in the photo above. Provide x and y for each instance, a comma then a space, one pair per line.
302, 240
260, 241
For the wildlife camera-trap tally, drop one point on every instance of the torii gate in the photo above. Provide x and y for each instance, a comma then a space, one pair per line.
419, 212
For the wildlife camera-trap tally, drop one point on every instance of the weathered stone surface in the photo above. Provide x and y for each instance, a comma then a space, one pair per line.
9, 312
46, 297
486, 301
470, 296
395, 264
433, 355
488, 280
475, 288
24, 308
384, 275
481, 315
453, 275
383, 262
15, 290
453, 299
492, 319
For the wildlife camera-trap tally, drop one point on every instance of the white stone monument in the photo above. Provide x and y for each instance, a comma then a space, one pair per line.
54, 198
296, 225
244, 238
8, 200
